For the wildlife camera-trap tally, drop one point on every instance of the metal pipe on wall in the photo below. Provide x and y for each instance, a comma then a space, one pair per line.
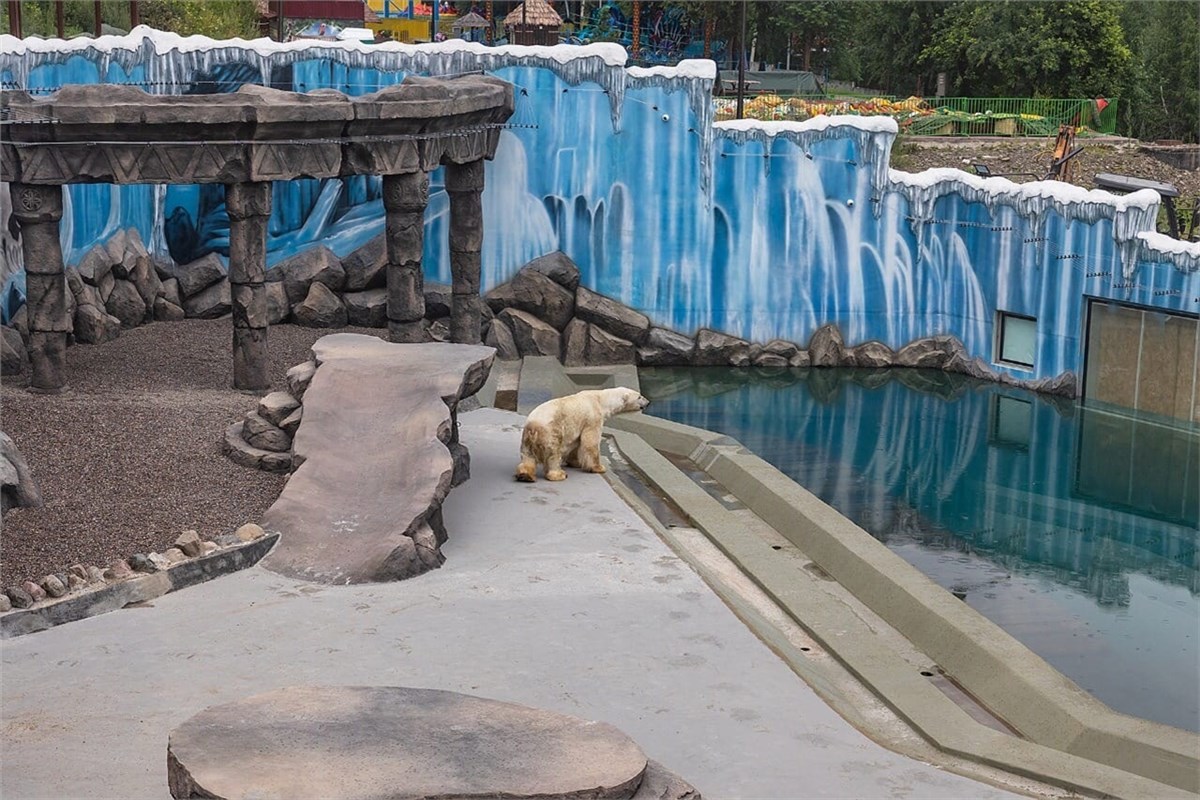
741, 73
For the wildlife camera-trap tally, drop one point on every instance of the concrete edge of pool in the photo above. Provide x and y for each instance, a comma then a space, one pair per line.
1070, 738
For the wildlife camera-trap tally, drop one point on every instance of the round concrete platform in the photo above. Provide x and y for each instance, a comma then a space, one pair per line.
344, 743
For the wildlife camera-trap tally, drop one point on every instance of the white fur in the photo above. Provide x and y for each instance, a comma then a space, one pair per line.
566, 430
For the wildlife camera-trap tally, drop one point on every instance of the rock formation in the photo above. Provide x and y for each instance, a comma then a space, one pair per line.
369, 430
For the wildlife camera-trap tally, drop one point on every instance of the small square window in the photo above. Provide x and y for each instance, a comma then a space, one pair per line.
1016, 339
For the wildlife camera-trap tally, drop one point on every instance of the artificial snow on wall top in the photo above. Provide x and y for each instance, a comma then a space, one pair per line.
1184, 255
164, 42
819, 123
702, 68
1056, 191
1131, 214
872, 136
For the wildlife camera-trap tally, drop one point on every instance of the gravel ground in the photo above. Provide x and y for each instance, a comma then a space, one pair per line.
1120, 156
130, 456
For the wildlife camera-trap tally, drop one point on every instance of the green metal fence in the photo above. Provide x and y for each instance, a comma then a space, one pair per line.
938, 116
1014, 116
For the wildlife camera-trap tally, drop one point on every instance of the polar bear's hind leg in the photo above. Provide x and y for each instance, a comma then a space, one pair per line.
536, 448
554, 470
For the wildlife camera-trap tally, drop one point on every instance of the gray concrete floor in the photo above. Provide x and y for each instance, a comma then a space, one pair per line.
554, 595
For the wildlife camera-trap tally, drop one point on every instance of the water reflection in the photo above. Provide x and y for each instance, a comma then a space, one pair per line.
1074, 529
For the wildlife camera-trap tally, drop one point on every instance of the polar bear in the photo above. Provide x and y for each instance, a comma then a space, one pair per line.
566, 430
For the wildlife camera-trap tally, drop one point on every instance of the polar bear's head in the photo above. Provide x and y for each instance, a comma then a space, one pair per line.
621, 400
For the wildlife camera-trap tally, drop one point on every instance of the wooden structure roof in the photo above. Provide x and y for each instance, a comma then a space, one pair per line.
533, 14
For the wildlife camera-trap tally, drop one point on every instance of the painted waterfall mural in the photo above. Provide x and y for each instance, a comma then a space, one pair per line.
762, 230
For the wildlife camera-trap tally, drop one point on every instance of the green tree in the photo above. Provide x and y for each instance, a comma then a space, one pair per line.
887, 41
1074, 48
220, 19
1163, 99
820, 31
39, 17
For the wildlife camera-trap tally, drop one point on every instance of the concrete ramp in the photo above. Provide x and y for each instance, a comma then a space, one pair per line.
377, 451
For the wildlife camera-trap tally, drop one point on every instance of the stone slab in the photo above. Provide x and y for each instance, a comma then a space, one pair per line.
357, 742
374, 463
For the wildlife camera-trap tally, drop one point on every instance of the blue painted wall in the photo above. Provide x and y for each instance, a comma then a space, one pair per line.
761, 230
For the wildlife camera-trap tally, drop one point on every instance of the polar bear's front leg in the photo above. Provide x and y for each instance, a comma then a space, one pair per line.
573, 459
589, 450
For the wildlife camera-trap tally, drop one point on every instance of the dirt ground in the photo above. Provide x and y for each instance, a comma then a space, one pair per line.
1028, 155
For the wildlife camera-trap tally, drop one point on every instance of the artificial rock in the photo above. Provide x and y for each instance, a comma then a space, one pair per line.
666, 348
366, 267
14, 358
367, 308
532, 336
126, 304
718, 349
211, 302
826, 348
276, 407
195, 276
534, 293
166, 311
314, 265
437, 300
500, 336
320, 309
558, 267
261, 434
871, 355
617, 319
278, 307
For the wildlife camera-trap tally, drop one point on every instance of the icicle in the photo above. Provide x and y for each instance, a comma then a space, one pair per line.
1130, 214
170, 58
696, 77
872, 137
1184, 256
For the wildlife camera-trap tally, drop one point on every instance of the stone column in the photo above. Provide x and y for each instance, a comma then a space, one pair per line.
249, 207
464, 183
38, 210
404, 200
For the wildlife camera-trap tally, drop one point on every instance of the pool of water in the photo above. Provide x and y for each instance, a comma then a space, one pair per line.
1074, 529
